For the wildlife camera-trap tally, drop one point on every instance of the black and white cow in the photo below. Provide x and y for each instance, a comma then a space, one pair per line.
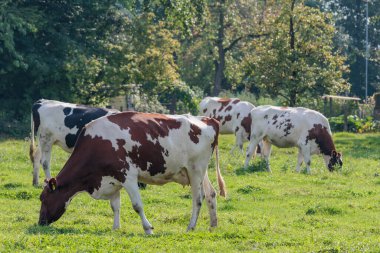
55, 122
116, 151
298, 127
233, 115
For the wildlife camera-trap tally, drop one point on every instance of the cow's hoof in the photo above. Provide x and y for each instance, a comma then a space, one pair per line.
149, 231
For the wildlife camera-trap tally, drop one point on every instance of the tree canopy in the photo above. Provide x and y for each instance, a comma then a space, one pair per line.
178, 51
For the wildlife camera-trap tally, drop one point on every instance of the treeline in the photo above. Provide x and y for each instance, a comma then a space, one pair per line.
179, 51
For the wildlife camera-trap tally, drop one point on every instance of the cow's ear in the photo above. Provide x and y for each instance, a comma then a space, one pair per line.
52, 184
333, 153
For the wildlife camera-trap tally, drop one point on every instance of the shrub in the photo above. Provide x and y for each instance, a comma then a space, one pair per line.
354, 124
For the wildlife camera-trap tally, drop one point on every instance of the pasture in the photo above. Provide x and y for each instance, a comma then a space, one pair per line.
279, 212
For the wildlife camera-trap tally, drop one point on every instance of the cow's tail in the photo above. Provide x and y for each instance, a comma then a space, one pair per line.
222, 185
32, 146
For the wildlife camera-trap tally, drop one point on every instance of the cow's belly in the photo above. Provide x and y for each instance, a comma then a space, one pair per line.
108, 187
282, 141
179, 176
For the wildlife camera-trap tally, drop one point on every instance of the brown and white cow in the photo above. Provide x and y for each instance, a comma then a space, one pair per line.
55, 122
116, 151
233, 115
298, 127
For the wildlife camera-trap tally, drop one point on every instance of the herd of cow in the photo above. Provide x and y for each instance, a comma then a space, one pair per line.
113, 150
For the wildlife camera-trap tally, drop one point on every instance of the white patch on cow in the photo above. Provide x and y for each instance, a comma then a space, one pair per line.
107, 189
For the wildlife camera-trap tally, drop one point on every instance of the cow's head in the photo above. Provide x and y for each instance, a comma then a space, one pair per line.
52, 203
336, 159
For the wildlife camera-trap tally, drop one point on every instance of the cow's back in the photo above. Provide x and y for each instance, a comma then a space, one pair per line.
286, 127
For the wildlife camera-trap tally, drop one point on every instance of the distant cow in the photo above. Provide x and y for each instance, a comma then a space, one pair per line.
293, 127
233, 115
118, 150
55, 122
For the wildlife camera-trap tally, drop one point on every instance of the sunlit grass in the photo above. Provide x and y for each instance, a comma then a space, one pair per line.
279, 212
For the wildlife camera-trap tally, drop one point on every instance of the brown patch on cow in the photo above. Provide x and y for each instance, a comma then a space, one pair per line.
288, 126
214, 124
236, 129
266, 116
323, 139
227, 118
237, 116
154, 125
275, 117
223, 103
229, 108
194, 132
246, 124
205, 110
213, 113
236, 101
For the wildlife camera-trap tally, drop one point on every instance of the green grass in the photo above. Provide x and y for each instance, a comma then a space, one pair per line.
279, 212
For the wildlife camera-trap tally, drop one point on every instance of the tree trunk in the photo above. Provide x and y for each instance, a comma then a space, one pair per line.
293, 88
220, 63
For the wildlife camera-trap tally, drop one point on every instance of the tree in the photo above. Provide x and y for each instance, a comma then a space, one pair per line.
218, 43
297, 60
350, 22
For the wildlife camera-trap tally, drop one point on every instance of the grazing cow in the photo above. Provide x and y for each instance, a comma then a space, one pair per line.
233, 115
60, 123
118, 150
293, 127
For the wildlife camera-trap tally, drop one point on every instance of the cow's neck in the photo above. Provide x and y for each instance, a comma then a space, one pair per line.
326, 145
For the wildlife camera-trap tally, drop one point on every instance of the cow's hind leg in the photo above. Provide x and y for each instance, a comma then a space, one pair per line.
299, 160
132, 188
115, 205
251, 150
196, 179
266, 151
36, 165
210, 194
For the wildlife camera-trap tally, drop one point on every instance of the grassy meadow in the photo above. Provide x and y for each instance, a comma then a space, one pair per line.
279, 212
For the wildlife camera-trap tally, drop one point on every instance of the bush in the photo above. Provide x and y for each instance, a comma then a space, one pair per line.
354, 124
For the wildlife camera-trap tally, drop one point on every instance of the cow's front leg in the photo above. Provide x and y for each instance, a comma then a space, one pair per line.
266, 151
115, 205
46, 149
306, 157
196, 189
132, 188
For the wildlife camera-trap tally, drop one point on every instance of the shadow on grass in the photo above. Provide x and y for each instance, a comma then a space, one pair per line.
258, 166
360, 147
51, 230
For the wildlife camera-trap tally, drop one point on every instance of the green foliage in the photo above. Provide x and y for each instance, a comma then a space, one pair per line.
354, 124
279, 212
308, 68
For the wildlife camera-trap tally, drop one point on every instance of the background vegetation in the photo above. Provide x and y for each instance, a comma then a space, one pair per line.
279, 212
86, 52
